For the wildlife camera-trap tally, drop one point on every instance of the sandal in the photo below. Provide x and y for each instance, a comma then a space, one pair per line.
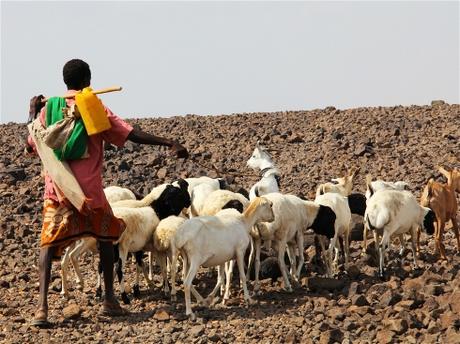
113, 310
40, 319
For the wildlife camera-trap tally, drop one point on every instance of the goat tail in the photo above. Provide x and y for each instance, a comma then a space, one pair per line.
429, 189
369, 224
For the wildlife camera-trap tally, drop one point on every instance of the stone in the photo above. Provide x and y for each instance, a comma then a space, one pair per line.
359, 300
385, 336
353, 289
331, 336
324, 283
389, 299
353, 271
124, 166
196, 330
449, 319
161, 315
72, 311
17, 173
437, 102
398, 326
162, 172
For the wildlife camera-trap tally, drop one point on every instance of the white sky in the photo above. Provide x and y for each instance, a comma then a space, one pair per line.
175, 58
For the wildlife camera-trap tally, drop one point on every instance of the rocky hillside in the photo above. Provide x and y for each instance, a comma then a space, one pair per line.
309, 147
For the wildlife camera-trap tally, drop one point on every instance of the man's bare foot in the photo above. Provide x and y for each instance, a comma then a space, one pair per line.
41, 318
112, 308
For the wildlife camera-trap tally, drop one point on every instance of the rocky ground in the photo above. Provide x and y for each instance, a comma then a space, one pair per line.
309, 147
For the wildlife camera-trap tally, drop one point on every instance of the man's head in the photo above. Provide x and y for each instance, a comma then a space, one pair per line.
77, 74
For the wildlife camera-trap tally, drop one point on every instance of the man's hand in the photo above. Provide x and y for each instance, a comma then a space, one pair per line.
35, 106
179, 150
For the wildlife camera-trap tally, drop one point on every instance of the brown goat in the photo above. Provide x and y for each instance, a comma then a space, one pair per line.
455, 177
441, 199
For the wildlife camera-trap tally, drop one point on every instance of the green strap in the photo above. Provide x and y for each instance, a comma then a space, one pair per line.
76, 144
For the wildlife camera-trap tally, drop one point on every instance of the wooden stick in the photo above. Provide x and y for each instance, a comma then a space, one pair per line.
104, 90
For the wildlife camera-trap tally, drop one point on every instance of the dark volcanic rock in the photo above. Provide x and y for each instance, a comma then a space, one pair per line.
309, 148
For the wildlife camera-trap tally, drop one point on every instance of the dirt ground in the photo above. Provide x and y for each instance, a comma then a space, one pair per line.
309, 147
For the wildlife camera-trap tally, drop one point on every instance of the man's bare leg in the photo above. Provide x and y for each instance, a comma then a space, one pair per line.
44, 270
111, 305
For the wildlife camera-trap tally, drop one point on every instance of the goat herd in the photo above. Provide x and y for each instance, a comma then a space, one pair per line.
206, 225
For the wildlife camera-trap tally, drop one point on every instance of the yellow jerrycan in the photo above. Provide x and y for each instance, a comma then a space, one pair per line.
92, 112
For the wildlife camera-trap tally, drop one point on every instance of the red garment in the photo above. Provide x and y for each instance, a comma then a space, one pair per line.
88, 171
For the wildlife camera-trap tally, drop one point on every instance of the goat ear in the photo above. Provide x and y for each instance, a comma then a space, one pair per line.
353, 172
258, 144
443, 171
182, 184
368, 183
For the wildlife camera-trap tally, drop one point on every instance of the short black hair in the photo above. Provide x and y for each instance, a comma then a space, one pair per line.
76, 74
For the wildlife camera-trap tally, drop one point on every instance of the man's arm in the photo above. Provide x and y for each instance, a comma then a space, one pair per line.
141, 137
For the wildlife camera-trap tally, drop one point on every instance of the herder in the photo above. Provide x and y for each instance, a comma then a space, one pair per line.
62, 222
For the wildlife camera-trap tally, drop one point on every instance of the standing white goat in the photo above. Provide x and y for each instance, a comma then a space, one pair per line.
292, 216
270, 182
339, 204
371, 188
213, 240
76, 249
395, 213
344, 185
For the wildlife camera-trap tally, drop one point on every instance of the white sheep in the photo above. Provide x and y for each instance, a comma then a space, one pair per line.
198, 198
137, 237
164, 200
395, 213
162, 237
89, 244
343, 187
270, 175
116, 193
292, 216
339, 204
223, 199
213, 240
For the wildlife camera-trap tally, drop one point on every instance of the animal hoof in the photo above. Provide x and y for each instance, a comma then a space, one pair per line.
99, 293
250, 301
80, 286
173, 298
192, 316
125, 298
136, 291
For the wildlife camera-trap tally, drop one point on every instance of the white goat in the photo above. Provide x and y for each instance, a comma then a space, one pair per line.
198, 198
343, 187
162, 238
378, 185
213, 240
137, 237
292, 216
116, 193
164, 200
270, 175
339, 204
77, 248
223, 199
373, 187
216, 183
394, 213
215, 202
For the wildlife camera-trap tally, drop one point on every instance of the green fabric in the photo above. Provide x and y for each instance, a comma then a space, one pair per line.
76, 144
